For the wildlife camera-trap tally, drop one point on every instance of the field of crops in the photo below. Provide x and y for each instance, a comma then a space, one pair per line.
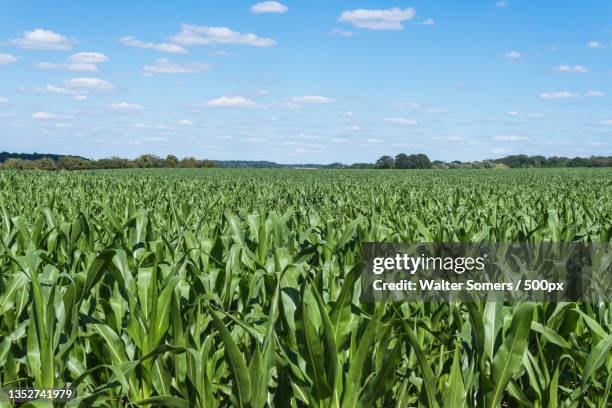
207, 288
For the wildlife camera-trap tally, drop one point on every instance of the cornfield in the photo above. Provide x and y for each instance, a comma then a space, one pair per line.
217, 288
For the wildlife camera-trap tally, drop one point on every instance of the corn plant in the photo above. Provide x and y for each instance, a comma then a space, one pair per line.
218, 288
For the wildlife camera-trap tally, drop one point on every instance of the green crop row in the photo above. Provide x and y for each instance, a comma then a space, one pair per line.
214, 288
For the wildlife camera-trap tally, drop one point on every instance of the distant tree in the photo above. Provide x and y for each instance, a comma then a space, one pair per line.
555, 161
578, 162
439, 164
44, 164
538, 161
18, 164
601, 161
385, 162
517, 160
361, 166
487, 164
171, 160
74, 163
522, 160
207, 163
421, 161
414, 161
402, 161
114, 163
27, 156
147, 161
188, 162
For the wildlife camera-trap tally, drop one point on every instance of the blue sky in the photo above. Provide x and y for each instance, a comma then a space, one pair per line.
316, 81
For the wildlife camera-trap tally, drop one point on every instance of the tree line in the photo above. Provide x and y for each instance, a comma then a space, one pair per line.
404, 161
80, 163
421, 161
37, 161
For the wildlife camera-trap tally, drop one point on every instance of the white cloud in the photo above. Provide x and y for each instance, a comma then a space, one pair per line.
80, 62
594, 44
49, 116
77, 95
199, 35
165, 66
514, 113
269, 7
595, 93
387, 19
40, 39
606, 122
512, 55
4, 101
436, 110
401, 121
220, 53
314, 99
73, 67
77, 87
185, 122
49, 89
63, 125
6, 59
230, 102
86, 84
148, 126
423, 107
163, 47
125, 106
427, 22
255, 140
569, 69
502, 4
510, 138
339, 140
342, 33
288, 105
500, 151
558, 95
88, 57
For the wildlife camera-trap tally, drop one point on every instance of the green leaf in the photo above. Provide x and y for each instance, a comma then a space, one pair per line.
235, 360
310, 345
598, 356
493, 321
429, 380
553, 389
375, 389
164, 401
356, 367
455, 392
550, 335
508, 358
97, 268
